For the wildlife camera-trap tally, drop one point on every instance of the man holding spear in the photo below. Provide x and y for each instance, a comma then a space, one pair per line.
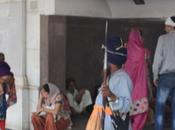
116, 89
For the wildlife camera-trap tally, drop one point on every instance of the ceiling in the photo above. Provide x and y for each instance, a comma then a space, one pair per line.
116, 8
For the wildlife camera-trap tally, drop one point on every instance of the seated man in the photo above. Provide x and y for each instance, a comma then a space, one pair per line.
52, 112
78, 101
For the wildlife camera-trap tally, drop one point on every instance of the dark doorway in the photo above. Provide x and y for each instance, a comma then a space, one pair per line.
71, 46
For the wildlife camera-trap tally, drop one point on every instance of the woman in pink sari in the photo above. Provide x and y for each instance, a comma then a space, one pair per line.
135, 66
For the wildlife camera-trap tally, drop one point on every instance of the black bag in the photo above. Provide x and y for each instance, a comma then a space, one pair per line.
119, 123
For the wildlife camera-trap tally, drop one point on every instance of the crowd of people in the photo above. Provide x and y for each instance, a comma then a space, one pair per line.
127, 92
124, 100
128, 87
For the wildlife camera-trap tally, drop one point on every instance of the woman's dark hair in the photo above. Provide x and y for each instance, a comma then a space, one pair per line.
46, 88
68, 81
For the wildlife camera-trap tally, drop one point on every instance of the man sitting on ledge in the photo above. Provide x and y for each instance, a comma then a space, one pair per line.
78, 100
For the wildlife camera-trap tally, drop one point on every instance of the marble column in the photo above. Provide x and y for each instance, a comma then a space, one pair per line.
13, 45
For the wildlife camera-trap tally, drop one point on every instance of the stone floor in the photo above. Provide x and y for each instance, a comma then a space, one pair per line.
79, 123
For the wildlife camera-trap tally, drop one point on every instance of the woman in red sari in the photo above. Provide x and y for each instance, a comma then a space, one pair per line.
53, 112
135, 66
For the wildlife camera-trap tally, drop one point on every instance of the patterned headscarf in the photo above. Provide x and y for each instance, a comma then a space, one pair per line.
54, 92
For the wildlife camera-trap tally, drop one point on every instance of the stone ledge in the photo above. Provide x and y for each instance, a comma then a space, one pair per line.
10, 1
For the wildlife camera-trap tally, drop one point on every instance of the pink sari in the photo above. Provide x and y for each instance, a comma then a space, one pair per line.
135, 66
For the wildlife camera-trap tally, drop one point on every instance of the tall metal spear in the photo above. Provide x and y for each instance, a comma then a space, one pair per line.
105, 73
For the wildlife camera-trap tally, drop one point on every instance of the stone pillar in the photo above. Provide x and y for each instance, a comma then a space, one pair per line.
34, 10
13, 44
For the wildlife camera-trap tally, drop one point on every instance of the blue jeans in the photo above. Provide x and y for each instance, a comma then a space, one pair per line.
166, 86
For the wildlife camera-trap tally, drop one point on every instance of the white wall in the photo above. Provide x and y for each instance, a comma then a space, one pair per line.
115, 8
34, 9
94, 8
12, 36
12, 43
33, 54
151, 9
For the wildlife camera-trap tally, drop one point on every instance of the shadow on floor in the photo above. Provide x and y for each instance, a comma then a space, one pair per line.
79, 122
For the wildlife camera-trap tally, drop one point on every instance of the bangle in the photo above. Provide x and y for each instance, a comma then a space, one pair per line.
117, 100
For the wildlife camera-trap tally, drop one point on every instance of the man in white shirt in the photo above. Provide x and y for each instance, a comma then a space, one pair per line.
78, 100
164, 72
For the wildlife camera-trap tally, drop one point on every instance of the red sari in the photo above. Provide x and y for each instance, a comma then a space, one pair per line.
2, 124
47, 122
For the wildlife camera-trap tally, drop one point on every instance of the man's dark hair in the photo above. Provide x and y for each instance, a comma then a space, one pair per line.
173, 19
68, 81
46, 88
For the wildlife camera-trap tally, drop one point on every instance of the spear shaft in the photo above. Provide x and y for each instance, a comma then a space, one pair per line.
105, 73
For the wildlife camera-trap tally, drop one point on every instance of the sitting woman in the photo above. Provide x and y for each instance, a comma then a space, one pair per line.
53, 111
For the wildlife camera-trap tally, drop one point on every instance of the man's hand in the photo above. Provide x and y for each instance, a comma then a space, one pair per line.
80, 95
156, 82
106, 91
82, 91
